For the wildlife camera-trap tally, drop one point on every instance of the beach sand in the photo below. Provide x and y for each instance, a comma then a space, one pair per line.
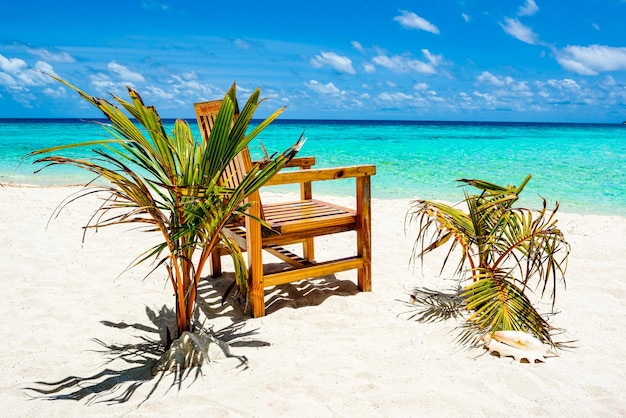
324, 349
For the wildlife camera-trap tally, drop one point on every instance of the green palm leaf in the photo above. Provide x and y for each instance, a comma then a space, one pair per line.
169, 182
506, 248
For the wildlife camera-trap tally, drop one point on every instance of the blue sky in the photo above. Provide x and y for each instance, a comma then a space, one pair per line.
476, 60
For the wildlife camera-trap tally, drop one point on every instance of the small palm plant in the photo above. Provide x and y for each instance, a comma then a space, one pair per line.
170, 183
505, 248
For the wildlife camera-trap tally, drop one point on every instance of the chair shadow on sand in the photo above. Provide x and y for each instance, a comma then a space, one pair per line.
216, 294
129, 366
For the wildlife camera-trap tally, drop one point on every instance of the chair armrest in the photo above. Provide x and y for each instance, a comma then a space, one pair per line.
302, 162
319, 174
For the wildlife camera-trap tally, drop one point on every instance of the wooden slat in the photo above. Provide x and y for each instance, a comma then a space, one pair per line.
320, 174
308, 208
304, 205
288, 238
205, 115
301, 162
308, 215
318, 270
287, 256
303, 214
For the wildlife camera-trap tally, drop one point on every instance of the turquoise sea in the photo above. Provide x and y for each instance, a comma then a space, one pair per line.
583, 166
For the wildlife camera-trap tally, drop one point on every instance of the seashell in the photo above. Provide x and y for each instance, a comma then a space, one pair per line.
519, 345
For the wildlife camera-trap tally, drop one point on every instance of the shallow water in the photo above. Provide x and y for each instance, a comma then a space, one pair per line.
582, 166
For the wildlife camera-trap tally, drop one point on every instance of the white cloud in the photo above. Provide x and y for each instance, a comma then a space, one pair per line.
520, 87
44, 67
591, 60
519, 31
394, 97
102, 82
153, 5
565, 84
505, 88
18, 79
434, 59
318, 87
575, 66
8, 81
187, 85
12, 65
400, 64
357, 45
15, 73
56, 93
486, 96
369, 68
38, 78
487, 78
338, 62
159, 93
420, 86
528, 9
403, 64
51, 56
465, 97
466, 17
410, 20
595, 26
570, 92
608, 82
544, 94
357, 103
241, 43
124, 73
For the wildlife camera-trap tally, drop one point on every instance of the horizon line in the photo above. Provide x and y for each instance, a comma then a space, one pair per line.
292, 120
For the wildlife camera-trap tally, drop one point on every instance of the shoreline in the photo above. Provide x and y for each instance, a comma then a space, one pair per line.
320, 336
321, 194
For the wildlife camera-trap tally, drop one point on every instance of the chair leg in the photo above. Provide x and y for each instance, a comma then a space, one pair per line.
308, 249
364, 274
216, 264
365, 279
257, 292
255, 264
363, 234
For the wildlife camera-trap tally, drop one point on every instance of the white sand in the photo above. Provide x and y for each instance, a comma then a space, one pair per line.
330, 352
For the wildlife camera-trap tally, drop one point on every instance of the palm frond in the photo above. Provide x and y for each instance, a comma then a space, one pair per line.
498, 304
506, 248
439, 224
170, 182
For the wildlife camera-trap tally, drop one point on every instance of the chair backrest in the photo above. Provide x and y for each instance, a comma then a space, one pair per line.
206, 112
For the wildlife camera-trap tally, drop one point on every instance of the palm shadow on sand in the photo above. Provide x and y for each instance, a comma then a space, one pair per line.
127, 367
134, 364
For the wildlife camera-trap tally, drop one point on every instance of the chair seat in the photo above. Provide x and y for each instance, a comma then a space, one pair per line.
302, 216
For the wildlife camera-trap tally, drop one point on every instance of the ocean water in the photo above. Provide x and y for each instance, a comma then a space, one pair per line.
583, 166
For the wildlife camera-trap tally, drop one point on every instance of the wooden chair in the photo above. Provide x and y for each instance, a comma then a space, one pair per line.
295, 222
